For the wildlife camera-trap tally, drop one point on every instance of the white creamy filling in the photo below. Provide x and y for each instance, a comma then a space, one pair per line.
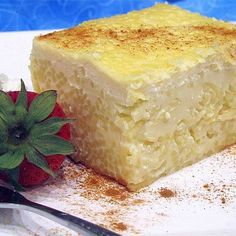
70, 66
139, 132
182, 101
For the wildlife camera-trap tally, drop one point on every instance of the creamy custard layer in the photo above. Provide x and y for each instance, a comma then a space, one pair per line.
172, 125
148, 105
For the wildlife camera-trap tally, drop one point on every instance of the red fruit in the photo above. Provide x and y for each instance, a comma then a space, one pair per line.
29, 173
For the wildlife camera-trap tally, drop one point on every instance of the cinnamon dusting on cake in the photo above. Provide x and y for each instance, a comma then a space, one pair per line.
143, 39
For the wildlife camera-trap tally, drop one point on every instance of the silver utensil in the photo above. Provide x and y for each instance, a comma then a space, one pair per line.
14, 200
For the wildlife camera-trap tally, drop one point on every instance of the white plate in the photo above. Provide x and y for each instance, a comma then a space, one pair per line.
204, 204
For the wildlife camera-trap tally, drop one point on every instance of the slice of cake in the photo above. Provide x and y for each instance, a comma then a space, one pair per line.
153, 91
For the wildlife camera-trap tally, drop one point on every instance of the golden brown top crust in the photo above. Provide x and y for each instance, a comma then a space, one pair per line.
160, 39
143, 39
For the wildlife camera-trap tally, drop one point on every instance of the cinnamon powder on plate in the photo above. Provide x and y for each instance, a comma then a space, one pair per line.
120, 226
167, 193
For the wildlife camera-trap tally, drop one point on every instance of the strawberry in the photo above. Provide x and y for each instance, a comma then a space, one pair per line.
34, 136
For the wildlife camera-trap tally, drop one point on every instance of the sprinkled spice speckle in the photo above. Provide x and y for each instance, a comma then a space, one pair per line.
82, 192
167, 193
120, 226
223, 200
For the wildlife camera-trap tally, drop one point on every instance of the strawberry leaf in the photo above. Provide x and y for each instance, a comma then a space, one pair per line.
14, 173
22, 97
42, 106
7, 107
11, 159
13, 177
52, 144
50, 126
3, 148
16, 185
21, 113
3, 131
39, 160
21, 103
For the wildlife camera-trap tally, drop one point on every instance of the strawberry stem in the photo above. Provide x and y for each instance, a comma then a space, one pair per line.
17, 134
27, 132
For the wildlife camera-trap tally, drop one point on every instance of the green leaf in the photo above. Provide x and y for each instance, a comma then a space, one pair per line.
39, 160
21, 114
7, 106
14, 173
3, 148
50, 126
3, 125
42, 106
11, 159
16, 185
13, 177
3, 130
22, 97
52, 144
21, 103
